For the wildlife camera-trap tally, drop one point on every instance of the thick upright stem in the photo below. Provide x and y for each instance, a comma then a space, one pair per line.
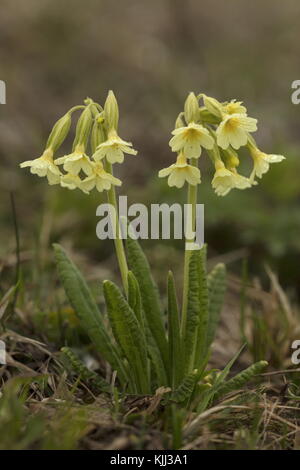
190, 222
120, 252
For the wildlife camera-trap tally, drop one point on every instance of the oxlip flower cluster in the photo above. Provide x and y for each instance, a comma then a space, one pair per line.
221, 129
96, 130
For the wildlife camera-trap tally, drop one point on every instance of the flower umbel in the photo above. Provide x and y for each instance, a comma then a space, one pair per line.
234, 129
113, 149
181, 172
44, 166
190, 139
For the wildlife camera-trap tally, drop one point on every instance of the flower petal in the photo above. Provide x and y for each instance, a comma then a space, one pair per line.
176, 178
166, 171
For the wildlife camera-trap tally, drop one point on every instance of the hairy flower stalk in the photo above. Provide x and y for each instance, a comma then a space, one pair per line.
191, 226
119, 246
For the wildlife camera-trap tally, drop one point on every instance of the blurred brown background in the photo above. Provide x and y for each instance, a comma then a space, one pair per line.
54, 54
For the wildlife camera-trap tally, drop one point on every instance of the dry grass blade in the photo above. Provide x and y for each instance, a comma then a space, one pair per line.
192, 427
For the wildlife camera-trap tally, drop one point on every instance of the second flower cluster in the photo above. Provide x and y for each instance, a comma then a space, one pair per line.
221, 129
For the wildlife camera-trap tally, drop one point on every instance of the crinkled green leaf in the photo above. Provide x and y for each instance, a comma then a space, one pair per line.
135, 300
79, 367
186, 388
159, 377
87, 310
158, 372
239, 380
150, 298
201, 351
193, 311
128, 334
216, 282
176, 359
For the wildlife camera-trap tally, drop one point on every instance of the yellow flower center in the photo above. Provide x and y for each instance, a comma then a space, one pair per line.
48, 155
219, 165
191, 134
232, 124
230, 108
80, 148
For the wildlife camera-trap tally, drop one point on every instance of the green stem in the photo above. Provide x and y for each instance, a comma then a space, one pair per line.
192, 201
75, 108
112, 199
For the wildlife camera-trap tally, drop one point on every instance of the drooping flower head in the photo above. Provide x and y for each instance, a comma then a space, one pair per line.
262, 161
224, 180
97, 128
44, 166
75, 162
113, 149
181, 172
78, 160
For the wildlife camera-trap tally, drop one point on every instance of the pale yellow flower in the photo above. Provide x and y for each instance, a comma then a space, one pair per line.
234, 107
44, 166
190, 139
262, 162
113, 149
224, 180
181, 172
99, 179
75, 162
233, 130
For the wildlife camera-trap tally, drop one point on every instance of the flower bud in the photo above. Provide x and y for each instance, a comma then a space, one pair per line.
111, 111
231, 157
207, 117
59, 132
98, 134
191, 108
179, 121
213, 106
83, 128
